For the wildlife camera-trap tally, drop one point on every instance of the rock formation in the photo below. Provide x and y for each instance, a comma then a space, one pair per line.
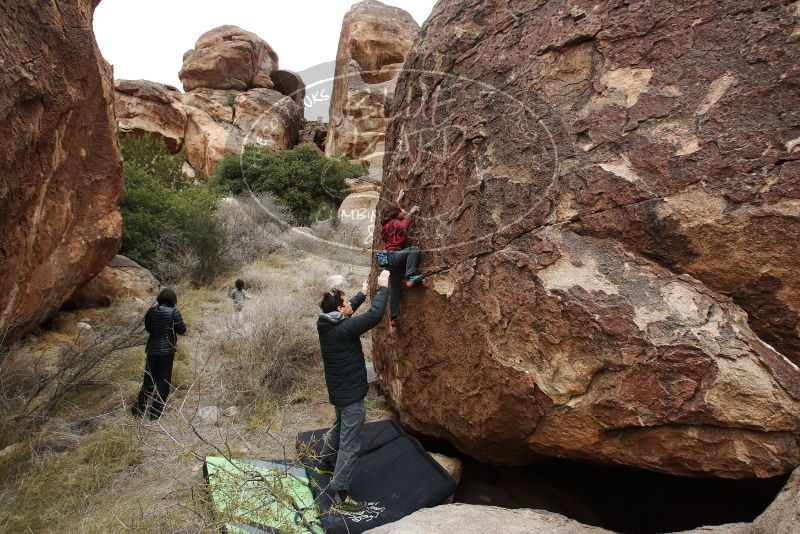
228, 57
235, 96
61, 182
121, 278
373, 44
783, 515
148, 107
593, 185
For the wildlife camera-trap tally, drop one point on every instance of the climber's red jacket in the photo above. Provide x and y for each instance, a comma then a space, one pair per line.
394, 232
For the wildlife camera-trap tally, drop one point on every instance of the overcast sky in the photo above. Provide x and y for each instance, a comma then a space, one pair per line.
146, 39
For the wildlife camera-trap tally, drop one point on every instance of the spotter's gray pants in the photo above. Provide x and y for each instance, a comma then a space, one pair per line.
343, 442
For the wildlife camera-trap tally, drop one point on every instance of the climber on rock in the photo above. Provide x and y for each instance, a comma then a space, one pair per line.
402, 259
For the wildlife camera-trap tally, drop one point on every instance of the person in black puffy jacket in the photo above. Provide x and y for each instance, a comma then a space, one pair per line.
346, 377
164, 323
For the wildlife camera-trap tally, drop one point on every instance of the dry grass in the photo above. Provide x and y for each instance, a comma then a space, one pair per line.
41, 378
253, 225
303, 276
89, 467
271, 360
62, 484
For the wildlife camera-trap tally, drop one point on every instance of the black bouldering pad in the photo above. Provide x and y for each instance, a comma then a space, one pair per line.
393, 475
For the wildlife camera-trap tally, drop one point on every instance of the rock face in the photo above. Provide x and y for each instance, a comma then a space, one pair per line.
373, 44
577, 348
267, 118
474, 519
61, 182
121, 278
142, 106
573, 169
451, 465
783, 515
230, 100
207, 140
228, 57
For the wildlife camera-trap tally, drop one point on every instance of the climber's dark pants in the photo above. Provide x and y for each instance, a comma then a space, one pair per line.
402, 264
157, 376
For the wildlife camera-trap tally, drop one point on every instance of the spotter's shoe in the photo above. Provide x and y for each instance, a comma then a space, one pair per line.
348, 506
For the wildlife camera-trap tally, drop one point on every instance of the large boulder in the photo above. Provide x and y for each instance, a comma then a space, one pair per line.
121, 278
61, 183
223, 122
570, 346
207, 140
783, 515
224, 107
372, 48
228, 57
635, 125
218, 103
148, 107
268, 118
574, 167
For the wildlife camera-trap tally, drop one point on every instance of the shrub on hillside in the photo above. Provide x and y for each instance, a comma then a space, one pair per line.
254, 226
273, 360
310, 184
150, 154
164, 214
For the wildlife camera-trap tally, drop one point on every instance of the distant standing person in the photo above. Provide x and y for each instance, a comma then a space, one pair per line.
164, 323
238, 294
346, 378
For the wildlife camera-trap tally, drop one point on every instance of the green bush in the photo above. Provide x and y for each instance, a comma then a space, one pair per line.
163, 211
310, 184
149, 154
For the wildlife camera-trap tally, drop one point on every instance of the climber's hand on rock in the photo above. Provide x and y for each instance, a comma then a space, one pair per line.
414, 210
383, 279
365, 286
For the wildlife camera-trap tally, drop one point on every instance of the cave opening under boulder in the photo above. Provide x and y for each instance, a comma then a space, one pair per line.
621, 499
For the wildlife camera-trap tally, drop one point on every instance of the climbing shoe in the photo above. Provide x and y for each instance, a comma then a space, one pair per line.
348, 506
411, 281
324, 468
394, 322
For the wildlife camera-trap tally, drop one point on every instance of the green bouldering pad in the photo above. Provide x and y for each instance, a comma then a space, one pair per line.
254, 496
